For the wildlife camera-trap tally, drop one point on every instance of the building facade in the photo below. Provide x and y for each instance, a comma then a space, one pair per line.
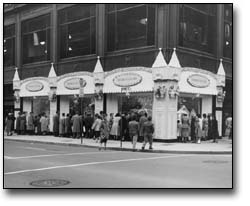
163, 58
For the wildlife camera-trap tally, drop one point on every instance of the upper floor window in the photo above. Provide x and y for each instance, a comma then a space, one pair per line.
228, 26
77, 30
36, 39
197, 28
130, 26
9, 45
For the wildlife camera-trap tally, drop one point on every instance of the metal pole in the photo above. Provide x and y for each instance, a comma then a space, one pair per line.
121, 124
82, 116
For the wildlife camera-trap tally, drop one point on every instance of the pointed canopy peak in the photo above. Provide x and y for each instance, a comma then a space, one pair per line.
52, 72
98, 66
16, 76
174, 61
160, 60
221, 70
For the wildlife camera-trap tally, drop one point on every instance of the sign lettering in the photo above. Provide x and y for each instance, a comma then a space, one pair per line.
74, 83
34, 86
127, 79
197, 80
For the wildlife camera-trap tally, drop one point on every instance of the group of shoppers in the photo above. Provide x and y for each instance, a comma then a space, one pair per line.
195, 128
101, 127
27, 124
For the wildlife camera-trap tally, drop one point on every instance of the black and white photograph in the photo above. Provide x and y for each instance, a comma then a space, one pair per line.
118, 95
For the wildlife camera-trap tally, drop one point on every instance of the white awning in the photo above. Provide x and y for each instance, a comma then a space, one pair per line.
70, 84
37, 86
137, 81
197, 83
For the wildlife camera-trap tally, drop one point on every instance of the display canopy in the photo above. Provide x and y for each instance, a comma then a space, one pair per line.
32, 87
70, 85
198, 83
136, 81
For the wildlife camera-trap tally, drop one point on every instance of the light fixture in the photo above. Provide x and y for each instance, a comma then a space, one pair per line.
42, 42
5, 50
45, 51
70, 37
70, 49
143, 21
227, 42
4, 40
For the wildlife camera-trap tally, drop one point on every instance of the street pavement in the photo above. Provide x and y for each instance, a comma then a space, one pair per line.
224, 146
87, 167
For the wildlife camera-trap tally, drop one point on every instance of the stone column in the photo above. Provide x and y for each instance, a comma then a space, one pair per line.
165, 96
52, 95
221, 79
99, 82
218, 112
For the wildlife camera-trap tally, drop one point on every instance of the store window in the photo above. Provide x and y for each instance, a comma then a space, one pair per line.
9, 45
36, 39
228, 31
130, 26
77, 30
197, 28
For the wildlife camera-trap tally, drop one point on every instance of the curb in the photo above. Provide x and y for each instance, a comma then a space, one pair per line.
126, 149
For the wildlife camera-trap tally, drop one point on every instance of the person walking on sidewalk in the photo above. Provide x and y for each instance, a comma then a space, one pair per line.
89, 120
62, 125
18, 119
104, 129
30, 124
198, 131
205, 126
9, 122
56, 124
142, 120
44, 124
185, 128
96, 126
133, 131
23, 123
215, 132
115, 126
76, 121
148, 130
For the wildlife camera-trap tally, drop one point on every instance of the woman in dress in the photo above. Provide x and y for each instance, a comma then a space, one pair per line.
115, 126
185, 128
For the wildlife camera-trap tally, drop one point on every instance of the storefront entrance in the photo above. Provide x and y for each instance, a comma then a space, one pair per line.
83, 105
190, 104
135, 102
40, 105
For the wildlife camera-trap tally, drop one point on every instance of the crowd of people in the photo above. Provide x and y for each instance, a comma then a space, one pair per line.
134, 127
196, 128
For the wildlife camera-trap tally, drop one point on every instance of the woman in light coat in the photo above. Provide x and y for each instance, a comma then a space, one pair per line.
44, 124
115, 126
198, 129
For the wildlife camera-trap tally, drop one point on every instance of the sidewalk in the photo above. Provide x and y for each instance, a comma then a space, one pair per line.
224, 146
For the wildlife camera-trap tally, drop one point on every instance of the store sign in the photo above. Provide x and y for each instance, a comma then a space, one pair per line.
34, 86
127, 79
197, 80
74, 83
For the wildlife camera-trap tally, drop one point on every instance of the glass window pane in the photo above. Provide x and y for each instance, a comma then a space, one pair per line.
9, 52
9, 45
130, 27
197, 30
36, 39
77, 38
35, 24
36, 46
9, 31
81, 11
